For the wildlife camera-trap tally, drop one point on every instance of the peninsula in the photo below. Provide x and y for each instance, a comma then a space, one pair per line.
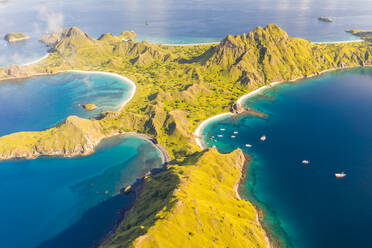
363, 34
15, 37
194, 200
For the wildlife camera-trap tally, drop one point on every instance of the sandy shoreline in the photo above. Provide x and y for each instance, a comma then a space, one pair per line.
37, 60
338, 42
123, 78
199, 129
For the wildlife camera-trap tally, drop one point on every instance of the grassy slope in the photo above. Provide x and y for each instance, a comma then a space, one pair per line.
75, 134
202, 212
178, 87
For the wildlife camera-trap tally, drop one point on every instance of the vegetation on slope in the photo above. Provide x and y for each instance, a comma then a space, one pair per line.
177, 88
76, 135
203, 212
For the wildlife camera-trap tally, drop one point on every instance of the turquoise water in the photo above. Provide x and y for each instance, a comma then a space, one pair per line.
176, 21
56, 202
41, 102
70, 202
327, 121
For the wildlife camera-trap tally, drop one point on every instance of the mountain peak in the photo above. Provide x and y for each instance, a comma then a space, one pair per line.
74, 31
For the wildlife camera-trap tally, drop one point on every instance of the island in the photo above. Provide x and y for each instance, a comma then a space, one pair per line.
15, 37
363, 34
325, 19
195, 199
88, 106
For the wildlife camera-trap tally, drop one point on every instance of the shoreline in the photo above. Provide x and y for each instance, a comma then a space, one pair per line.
165, 155
338, 42
36, 61
133, 85
137, 186
113, 74
132, 92
199, 44
15, 40
236, 189
198, 131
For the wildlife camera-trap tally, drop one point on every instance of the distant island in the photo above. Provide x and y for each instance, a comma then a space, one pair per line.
363, 34
325, 19
88, 106
14, 37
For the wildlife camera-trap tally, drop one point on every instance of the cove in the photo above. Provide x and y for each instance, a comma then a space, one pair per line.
37, 103
59, 202
327, 121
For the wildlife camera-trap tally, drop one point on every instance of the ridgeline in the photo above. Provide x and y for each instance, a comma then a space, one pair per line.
192, 203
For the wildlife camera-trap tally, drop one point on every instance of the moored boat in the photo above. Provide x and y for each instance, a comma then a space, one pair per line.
340, 175
263, 138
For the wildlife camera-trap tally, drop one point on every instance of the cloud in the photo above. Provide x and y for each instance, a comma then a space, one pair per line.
52, 20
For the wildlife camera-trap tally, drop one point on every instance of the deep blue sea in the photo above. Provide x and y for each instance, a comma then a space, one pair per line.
175, 21
48, 202
74, 202
41, 102
326, 120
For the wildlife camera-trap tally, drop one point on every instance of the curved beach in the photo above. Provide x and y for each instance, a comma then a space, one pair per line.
127, 80
199, 129
37, 60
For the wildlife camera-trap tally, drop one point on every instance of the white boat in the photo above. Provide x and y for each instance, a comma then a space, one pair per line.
263, 138
222, 129
220, 135
233, 136
305, 161
248, 145
340, 175
236, 132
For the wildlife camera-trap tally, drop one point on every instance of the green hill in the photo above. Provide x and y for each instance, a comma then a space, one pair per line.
177, 88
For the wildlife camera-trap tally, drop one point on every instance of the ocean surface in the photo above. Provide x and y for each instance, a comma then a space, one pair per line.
175, 21
57, 202
326, 120
41, 102
49, 202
